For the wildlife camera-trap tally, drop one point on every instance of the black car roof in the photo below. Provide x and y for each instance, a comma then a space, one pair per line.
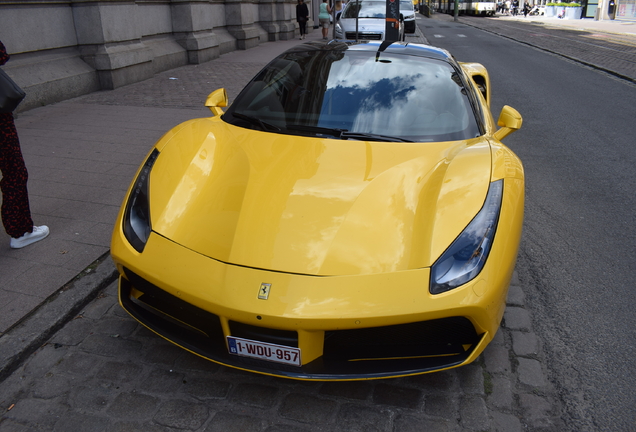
414, 49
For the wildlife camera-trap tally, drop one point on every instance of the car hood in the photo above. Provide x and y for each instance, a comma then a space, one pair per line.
311, 205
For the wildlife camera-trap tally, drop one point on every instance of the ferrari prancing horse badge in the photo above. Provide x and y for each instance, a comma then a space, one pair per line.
263, 292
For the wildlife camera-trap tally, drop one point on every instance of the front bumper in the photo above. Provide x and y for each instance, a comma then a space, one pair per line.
347, 328
377, 352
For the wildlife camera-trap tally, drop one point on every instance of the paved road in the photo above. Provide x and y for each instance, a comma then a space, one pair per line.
591, 43
102, 371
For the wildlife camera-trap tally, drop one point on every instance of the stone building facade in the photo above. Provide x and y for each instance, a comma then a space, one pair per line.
66, 48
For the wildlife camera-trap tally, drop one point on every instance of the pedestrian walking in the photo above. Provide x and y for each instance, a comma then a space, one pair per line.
15, 211
339, 6
515, 7
323, 18
526, 9
302, 16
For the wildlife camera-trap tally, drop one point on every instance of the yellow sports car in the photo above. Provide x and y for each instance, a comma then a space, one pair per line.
351, 215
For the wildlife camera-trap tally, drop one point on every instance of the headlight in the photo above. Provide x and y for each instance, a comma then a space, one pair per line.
339, 30
409, 17
136, 221
465, 258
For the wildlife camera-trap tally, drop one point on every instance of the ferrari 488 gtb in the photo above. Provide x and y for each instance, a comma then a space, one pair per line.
352, 214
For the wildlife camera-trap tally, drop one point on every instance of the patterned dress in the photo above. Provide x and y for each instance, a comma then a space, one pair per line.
16, 214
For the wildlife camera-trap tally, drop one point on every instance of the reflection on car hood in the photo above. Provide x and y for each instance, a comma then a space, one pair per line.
311, 205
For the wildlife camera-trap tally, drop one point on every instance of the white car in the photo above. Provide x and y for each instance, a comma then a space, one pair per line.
371, 17
407, 9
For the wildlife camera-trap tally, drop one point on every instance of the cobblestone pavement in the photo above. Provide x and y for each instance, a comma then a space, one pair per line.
104, 372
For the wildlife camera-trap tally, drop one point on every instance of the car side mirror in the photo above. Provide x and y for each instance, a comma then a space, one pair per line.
216, 100
510, 120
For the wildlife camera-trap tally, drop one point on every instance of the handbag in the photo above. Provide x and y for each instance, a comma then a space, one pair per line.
10, 93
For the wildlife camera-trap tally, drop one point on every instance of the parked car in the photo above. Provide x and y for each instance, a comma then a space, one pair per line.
407, 9
353, 214
370, 18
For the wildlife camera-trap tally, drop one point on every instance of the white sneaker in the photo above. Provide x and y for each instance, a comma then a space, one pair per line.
39, 233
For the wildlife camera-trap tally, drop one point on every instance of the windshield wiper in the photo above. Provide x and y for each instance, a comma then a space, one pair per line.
317, 130
371, 137
344, 133
258, 122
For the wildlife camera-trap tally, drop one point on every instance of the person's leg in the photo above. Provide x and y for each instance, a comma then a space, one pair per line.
16, 214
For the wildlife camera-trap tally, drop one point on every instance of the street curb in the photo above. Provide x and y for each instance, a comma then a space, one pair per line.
37, 327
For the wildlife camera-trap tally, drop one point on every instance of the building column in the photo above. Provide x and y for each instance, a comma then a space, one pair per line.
193, 22
240, 17
278, 19
110, 41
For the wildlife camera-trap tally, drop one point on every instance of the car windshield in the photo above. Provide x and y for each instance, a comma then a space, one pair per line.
406, 6
368, 9
357, 94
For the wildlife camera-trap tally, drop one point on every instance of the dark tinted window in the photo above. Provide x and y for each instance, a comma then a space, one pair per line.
404, 96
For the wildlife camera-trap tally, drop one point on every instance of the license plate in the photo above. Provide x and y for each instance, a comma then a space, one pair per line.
264, 351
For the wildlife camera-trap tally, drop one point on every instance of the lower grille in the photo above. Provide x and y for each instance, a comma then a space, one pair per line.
169, 315
262, 334
363, 36
442, 337
408, 348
